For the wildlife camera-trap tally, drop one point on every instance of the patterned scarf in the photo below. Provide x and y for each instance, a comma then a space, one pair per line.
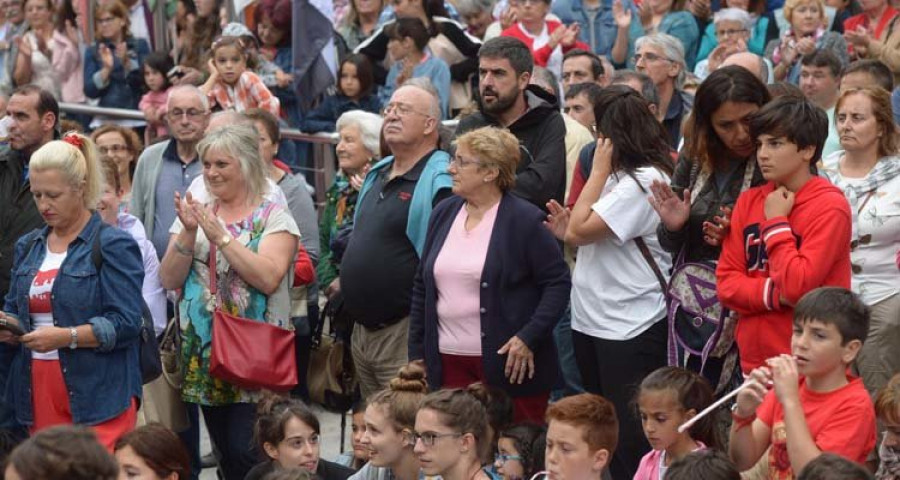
792, 40
886, 169
889, 469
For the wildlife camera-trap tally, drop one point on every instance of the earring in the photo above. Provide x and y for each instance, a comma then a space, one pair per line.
486, 180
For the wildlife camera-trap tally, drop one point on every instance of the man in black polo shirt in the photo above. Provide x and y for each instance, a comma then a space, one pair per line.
392, 214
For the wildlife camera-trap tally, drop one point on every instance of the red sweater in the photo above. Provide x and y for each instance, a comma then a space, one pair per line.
541, 55
783, 257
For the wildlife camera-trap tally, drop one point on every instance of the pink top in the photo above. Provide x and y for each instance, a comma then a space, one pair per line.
457, 275
157, 100
248, 92
653, 465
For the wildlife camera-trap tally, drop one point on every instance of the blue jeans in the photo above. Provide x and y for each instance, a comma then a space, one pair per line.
231, 431
571, 377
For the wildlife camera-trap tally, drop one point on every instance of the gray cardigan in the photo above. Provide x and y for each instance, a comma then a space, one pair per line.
143, 186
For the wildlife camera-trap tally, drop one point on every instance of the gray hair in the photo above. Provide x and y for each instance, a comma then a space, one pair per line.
473, 7
369, 125
734, 15
671, 48
240, 142
545, 79
423, 83
188, 89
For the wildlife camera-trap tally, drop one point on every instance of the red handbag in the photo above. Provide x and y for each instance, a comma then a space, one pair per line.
249, 353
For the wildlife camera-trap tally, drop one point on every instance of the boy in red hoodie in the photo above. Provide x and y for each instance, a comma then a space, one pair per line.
788, 236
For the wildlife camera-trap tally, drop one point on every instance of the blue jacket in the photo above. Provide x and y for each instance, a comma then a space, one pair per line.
323, 118
680, 25
102, 380
122, 90
434, 69
434, 177
525, 289
599, 33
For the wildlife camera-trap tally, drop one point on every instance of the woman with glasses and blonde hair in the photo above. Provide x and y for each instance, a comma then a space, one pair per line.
867, 170
390, 430
451, 435
287, 431
484, 302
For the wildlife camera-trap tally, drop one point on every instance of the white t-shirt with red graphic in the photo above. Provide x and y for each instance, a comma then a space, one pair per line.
39, 306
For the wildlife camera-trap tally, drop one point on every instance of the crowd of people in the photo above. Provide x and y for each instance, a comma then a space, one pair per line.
645, 209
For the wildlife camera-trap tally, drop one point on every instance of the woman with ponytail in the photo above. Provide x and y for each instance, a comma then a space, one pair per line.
391, 426
70, 324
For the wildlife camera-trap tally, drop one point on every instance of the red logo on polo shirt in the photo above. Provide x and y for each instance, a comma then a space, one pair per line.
404, 196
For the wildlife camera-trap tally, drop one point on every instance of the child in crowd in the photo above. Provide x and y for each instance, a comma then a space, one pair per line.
407, 39
829, 466
355, 91
667, 398
287, 431
706, 464
787, 236
582, 433
814, 406
359, 455
520, 451
887, 408
231, 84
156, 68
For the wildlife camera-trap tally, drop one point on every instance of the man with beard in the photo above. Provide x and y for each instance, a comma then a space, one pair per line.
528, 112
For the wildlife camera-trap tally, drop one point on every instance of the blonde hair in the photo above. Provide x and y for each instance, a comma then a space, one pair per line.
495, 148
400, 400
80, 167
791, 5
240, 142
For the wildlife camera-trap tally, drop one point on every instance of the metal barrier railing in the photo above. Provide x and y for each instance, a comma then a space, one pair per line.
324, 160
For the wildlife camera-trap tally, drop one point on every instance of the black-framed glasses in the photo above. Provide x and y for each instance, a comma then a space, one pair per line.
502, 458
428, 438
105, 150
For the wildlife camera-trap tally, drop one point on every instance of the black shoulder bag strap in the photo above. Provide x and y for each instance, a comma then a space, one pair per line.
642, 246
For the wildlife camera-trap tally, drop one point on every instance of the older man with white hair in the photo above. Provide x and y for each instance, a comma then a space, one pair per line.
391, 219
661, 57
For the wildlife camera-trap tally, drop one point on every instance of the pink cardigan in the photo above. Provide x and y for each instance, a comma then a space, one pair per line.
649, 467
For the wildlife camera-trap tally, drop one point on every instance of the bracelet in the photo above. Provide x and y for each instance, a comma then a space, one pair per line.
741, 422
73, 333
187, 252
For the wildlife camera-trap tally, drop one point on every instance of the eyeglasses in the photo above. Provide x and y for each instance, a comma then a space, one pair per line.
648, 57
516, 3
502, 458
192, 114
402, 110
460, 162
428, 438
105, 21
113, 149
728, 33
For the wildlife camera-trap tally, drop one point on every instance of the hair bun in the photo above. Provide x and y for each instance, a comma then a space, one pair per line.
410, 378
270, 402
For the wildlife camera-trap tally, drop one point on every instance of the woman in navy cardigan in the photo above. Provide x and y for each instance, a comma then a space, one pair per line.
492, 282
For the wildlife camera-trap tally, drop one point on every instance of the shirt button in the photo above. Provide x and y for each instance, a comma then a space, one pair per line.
483, 334
484, 285
483, 310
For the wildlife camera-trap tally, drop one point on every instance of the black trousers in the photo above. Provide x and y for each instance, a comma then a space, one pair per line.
614, 369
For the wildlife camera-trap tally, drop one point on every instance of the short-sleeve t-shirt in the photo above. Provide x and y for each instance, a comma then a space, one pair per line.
40, 308
615, 294
833, 419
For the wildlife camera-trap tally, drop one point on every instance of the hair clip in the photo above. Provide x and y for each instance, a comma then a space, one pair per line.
74, 140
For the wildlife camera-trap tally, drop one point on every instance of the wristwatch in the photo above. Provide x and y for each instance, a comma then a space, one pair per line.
225, 241
74, 335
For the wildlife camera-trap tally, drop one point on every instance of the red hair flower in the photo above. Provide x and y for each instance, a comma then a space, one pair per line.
74, 140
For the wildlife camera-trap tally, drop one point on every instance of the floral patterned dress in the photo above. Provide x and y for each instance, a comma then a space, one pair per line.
237, 298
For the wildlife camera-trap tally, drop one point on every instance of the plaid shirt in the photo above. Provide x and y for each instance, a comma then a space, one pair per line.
250, 92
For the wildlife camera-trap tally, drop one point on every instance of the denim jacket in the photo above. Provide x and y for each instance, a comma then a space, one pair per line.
101, 381
599, 30
122, 89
